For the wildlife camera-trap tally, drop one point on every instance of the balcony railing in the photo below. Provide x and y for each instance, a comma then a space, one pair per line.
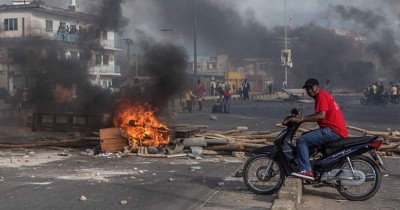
66, 37
113, 70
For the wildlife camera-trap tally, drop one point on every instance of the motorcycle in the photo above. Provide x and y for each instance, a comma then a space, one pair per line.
394, 99
375, 100
341, 164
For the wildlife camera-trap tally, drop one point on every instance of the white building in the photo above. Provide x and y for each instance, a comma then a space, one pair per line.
62, 29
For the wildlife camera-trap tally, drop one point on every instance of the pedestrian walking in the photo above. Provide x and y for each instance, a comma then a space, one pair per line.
227, 99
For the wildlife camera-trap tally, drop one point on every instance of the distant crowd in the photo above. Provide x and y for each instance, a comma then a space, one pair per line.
217, 88
378, 88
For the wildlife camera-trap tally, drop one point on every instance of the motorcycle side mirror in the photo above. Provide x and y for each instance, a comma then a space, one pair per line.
296, 112
300, 112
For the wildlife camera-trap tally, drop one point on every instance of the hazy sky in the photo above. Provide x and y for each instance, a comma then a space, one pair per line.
151, 16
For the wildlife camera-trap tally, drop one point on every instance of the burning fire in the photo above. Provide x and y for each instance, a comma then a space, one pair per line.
141, 126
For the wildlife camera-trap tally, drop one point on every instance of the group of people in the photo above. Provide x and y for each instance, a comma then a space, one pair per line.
377, 89
189, 97
224, 91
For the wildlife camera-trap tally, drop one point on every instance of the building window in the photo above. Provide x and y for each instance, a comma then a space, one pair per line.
105, 59
49, 25
105, 35
11, 24
98, 59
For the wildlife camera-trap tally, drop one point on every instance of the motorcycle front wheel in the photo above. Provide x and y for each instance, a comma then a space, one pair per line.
258, 179
373, 178
363, 100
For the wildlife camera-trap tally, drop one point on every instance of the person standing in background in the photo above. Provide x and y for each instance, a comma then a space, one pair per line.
245, 89
200, 95
328, 86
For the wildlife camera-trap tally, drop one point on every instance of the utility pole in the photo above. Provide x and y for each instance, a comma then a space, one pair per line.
195, 43
136, 64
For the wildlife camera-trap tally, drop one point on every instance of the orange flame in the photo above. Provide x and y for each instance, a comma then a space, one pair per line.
141, 126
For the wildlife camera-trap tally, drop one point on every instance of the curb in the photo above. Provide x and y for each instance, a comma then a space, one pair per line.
289, 196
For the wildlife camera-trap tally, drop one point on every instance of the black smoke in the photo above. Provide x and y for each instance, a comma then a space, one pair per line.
366, 18
108, 14
382, 43
44, 68
162, 78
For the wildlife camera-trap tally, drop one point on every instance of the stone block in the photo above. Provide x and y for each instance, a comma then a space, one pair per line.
283, 204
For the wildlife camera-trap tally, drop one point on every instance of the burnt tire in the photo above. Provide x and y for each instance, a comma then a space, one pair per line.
260, 181
373, 179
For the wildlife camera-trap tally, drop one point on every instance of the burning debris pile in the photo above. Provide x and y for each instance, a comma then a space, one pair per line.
196, 140
140, 125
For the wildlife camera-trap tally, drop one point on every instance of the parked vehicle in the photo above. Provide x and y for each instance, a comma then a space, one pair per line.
342, 164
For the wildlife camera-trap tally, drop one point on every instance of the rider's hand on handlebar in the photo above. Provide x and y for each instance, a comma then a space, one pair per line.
293, 120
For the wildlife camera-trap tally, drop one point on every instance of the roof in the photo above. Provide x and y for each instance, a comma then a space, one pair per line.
39, 6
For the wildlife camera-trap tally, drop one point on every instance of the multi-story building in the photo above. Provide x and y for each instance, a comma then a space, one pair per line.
257, 71
59, 30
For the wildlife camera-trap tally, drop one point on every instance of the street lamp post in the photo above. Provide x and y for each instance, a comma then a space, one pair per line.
195, 43
286, 66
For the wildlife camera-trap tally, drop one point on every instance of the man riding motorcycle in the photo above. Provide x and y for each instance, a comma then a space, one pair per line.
331, 123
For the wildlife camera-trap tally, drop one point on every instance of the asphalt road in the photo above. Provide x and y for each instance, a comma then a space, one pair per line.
148, 183
145, 183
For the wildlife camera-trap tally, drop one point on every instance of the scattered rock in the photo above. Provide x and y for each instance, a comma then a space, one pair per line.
238, 154
221, 184
193, 168
83, 198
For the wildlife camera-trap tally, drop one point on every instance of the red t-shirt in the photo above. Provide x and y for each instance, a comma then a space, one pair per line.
334, 118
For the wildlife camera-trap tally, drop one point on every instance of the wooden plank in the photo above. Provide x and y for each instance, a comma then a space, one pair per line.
107, 133
111, 140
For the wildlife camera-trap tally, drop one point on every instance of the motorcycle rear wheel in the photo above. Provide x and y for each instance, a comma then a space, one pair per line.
253, 172
395, 100
373, 179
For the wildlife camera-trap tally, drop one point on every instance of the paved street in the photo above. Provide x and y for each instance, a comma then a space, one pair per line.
54, 178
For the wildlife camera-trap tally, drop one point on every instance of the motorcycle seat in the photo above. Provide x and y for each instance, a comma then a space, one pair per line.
351, 141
